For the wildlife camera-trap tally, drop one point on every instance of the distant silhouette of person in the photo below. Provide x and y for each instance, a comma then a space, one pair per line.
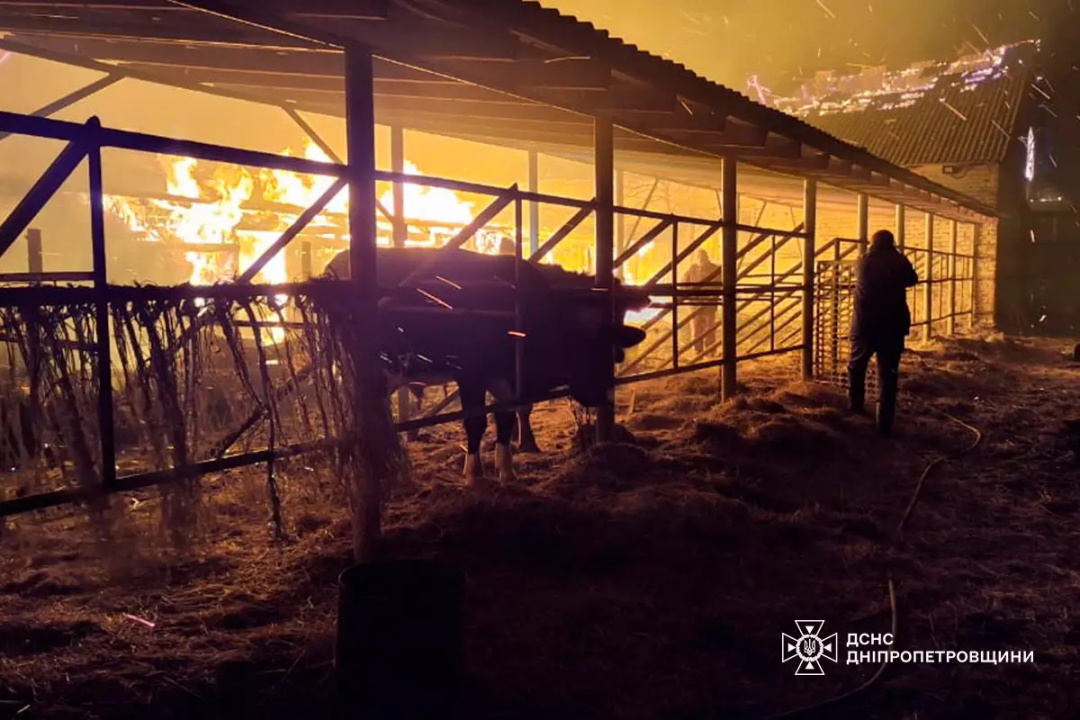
881, 323
506, 245
703, 324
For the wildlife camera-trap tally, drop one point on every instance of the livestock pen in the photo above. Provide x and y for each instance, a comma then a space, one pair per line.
781, 209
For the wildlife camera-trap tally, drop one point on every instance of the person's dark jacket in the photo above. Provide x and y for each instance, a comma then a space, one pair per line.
881, 309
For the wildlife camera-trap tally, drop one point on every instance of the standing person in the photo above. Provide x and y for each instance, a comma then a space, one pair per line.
882, 322
703, 324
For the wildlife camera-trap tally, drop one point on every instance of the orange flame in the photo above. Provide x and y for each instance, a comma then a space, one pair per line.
210, 211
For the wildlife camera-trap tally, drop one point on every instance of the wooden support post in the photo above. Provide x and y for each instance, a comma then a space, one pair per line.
34, 258
864, 223
604, 166
928, 312
401, 232
951, 323
106, 429
360, 136
534, 207
901, 232
809, 253
729, 273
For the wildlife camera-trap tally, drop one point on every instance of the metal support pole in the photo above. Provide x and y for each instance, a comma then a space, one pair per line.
306, 269
534, 207
729, 259
34, 259
928, 287
951, 323
106, 430
401, 232
604, 166
976, 235
620, 222
360, 137
519, 311
675, 296
901, 232
864, 223
809, 253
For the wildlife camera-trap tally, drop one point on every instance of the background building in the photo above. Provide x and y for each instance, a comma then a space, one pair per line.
982, 124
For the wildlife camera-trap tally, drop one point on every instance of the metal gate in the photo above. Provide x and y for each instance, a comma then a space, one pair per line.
834, 300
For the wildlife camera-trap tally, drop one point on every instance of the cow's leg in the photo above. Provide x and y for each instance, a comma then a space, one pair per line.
504, 429
526, 439
472, 401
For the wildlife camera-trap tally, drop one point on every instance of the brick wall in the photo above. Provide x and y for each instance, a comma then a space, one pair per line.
979, 182
982, 183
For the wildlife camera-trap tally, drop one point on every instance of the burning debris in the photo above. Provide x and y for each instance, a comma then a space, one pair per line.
879, 89
225, 217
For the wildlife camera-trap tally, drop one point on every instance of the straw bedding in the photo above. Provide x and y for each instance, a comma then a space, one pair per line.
649, 578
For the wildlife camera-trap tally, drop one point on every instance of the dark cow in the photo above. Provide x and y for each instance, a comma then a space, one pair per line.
565, 338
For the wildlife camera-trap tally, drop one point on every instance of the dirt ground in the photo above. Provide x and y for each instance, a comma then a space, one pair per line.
648, 579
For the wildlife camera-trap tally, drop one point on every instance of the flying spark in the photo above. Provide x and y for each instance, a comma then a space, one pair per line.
448, 282
825, 7
955, 111
981, 34
442, 302
1040, 91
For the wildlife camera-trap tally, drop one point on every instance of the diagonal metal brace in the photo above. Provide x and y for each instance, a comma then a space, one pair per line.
73, 97
559, 235
42, 191
489, 213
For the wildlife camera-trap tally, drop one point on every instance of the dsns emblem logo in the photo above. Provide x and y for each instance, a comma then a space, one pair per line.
809, 647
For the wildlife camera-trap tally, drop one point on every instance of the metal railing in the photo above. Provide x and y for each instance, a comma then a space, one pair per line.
770, 294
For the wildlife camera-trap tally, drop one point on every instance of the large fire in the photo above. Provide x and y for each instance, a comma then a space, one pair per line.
230, 216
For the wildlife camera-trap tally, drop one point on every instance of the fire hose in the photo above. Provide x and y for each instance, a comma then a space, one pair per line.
937, 462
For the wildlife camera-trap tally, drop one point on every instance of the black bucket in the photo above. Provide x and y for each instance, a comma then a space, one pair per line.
399, 641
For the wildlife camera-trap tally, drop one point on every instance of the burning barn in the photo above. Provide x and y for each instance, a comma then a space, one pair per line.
981, 124
500, 127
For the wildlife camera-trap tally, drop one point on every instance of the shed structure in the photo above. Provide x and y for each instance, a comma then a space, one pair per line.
770, 198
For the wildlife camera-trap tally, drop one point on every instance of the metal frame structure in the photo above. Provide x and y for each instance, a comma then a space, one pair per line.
509, 74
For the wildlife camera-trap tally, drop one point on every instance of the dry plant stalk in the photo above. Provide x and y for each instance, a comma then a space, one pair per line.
234, 380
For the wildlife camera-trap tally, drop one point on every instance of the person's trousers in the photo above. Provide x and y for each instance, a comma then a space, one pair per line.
703, 327
888, 350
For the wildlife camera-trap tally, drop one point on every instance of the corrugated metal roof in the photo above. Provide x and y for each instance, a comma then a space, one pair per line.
724, 122
963, 117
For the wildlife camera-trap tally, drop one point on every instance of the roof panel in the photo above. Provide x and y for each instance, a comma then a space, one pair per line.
521, 49
963, 113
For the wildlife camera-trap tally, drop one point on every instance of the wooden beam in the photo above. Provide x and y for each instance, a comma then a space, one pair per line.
531, 74
339, 9
273, 58
184, 26
492, 110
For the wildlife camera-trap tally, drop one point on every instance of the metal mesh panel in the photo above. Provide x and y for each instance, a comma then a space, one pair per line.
834, 307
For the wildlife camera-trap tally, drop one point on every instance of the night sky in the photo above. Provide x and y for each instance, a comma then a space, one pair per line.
728, 40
